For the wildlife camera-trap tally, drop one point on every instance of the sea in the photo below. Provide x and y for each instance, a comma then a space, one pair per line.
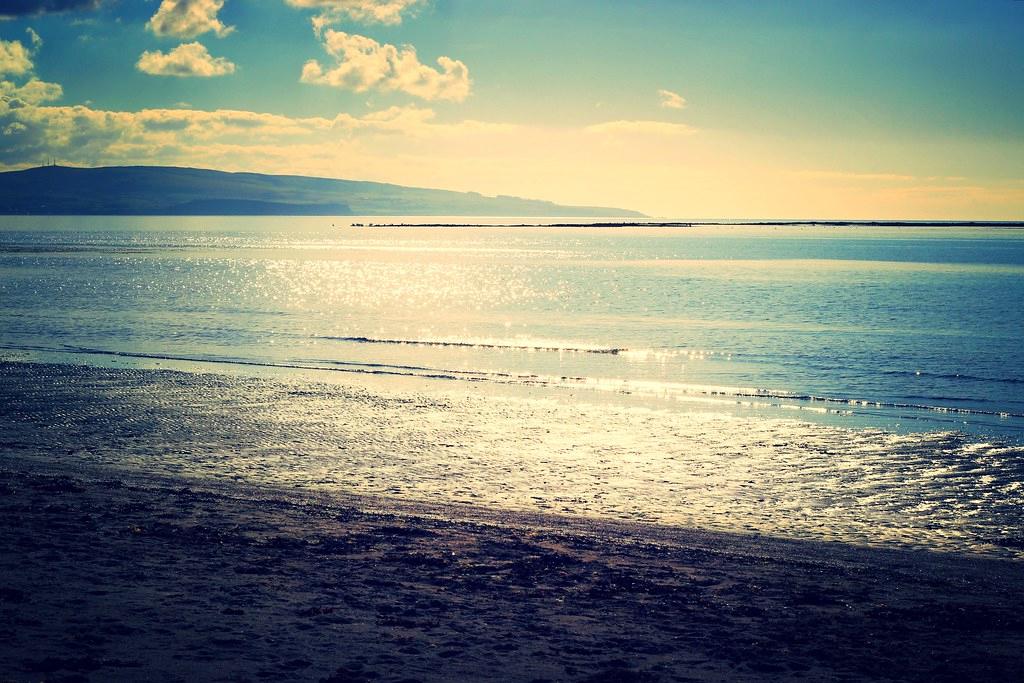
860, 383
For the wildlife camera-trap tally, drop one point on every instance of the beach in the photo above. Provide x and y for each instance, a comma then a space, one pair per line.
118, 571
416, 341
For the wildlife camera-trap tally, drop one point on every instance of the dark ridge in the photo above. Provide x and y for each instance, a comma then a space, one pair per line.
252, 207
160, 190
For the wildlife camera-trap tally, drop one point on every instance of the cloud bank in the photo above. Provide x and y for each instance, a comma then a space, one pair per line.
186, 60
364, 64
32, 93
668, 174
188, 18
365, 11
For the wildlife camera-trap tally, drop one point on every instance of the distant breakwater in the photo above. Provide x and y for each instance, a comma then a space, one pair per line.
691, 224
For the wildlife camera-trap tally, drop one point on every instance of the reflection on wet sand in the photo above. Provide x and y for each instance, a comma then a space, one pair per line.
531, 453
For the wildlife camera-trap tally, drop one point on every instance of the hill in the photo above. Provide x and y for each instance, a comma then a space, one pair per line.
163, 190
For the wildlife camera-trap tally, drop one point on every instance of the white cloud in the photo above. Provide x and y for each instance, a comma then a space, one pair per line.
32, 93
188, 59
37, 42
14, 58
671, 100
188, 18
364, 64
641, 128
368, 11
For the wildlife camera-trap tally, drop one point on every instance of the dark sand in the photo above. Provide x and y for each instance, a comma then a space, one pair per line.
110, 573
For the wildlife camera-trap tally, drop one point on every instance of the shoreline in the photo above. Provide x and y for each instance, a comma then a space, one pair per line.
404, 439
129, 551
127, 578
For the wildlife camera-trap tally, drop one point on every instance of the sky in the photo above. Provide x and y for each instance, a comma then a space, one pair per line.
726, 109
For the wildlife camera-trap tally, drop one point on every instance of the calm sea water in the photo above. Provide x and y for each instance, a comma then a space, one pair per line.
907, 333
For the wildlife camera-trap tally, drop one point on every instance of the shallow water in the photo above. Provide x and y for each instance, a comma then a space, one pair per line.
858, 383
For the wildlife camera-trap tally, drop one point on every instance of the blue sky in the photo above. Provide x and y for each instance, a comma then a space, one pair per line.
840, 109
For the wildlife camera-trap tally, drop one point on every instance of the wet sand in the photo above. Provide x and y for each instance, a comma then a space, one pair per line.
111, 572
452, 443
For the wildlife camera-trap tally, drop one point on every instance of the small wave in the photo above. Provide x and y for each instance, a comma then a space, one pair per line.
867, 403
484, 344
679, 391
806, 401
953, 376
69, 248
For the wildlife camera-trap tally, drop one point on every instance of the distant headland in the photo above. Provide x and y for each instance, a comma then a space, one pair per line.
174, 191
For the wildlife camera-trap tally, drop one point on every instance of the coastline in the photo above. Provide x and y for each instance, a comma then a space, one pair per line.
114, 572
